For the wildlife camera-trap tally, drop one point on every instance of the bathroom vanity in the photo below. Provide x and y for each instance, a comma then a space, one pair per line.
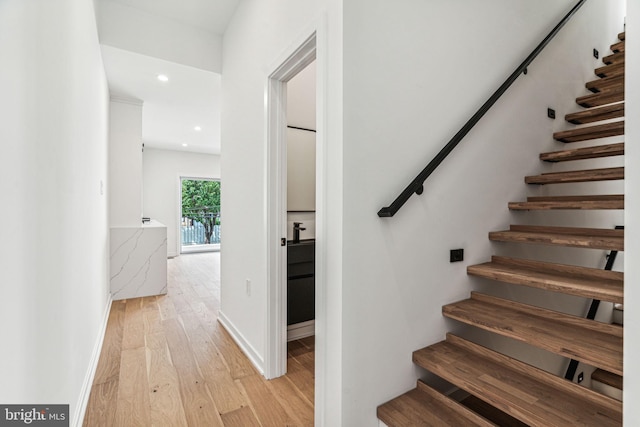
301, 287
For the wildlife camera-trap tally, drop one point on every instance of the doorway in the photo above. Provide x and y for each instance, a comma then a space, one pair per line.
279, 231
301, 203
200, 215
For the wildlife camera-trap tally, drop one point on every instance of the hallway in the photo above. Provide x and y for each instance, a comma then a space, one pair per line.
166, 361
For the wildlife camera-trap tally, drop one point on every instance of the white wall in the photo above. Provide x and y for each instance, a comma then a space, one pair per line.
132, 29
251, 47
414, 72
632, 230
301, 98
53, 174
301, 170
301, 151
125, 162
162, 170
256, 41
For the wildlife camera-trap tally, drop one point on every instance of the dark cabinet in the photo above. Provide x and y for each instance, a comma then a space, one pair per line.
301, 285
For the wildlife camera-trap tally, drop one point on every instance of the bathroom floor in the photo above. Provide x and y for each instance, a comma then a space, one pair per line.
301, 365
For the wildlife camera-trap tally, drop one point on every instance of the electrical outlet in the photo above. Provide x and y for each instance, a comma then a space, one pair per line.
580, 377
456, 255
248, 285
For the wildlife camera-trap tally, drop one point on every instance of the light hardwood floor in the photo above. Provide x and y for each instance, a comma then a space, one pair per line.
166, 361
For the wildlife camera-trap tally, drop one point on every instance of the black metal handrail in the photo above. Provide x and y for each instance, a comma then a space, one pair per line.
417, 185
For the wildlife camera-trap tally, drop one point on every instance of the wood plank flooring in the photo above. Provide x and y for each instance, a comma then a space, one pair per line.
166, 361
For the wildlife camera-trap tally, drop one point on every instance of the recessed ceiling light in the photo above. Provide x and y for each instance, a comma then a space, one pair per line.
163, 78
197, 128
185, 145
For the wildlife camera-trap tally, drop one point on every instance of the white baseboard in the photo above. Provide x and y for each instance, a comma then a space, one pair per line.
301, 330
247, 349
85, 392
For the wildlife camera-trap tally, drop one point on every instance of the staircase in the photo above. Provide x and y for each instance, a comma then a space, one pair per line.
502, 390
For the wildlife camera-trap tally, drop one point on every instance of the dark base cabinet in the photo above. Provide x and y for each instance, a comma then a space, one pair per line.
301, 300
301, 284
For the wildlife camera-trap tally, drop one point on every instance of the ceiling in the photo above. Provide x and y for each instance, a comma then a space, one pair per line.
173, 109
210, 15
190, 98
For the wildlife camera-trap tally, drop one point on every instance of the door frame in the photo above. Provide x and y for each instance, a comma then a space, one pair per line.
290, 64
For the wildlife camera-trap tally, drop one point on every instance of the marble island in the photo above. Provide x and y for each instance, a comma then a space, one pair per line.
138, 260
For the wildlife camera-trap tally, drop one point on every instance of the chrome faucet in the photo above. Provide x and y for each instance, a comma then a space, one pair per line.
296, 231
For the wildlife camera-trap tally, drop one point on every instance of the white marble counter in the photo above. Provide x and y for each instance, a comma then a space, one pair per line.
138, 260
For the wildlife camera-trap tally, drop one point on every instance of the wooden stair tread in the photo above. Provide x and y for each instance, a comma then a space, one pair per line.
567, 279
615, 83
597, 344
587, 175
622, 35
608, 150
594, 238
608, 378
604, 97
610, 111
570, 202
614, 58
529, 394
587, 133
616, 69
618, 47
424, 406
